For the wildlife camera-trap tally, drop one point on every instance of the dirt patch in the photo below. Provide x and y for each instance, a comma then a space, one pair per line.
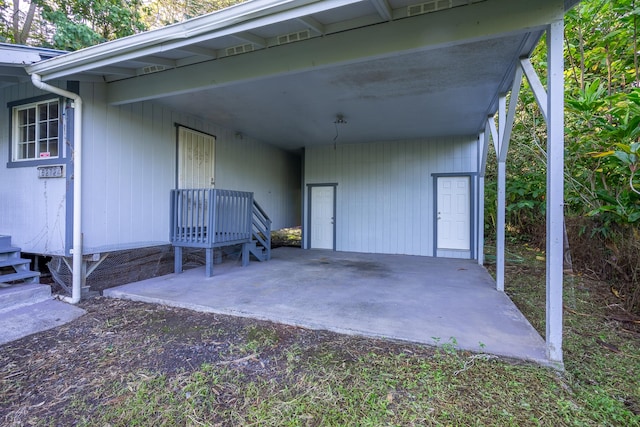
43, 374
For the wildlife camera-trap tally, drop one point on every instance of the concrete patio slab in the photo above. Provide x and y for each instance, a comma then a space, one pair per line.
418, 299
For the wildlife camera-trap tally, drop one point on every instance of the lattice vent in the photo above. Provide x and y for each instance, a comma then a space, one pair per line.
153, 69
237, 50
293, 37
430, 6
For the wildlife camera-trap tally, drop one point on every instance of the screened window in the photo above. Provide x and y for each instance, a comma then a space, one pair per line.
36, 129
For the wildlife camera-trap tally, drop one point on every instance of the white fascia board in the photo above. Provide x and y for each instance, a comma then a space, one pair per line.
472, 23
252, 14
15, 57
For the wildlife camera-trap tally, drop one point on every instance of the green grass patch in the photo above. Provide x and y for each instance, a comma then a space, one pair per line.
263, 374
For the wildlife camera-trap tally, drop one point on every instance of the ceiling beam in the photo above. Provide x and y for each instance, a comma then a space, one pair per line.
154, 60
313, 25
476, 22
119, 71
251, 38
199, 51
383, 8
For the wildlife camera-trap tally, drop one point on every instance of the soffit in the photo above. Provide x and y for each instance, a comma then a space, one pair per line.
423, 89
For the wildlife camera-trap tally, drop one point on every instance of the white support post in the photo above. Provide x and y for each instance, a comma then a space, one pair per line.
483, 147
480, 220
555, 190
501, 225
501, 196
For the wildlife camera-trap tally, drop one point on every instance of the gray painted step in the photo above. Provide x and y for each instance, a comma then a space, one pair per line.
20, 295
5, 240
33, 318
9, 249
14, 262
32, 276
257, 251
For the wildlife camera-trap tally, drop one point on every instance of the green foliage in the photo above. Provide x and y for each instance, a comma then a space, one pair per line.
602, 124
166, 12
69, 24
82, 23
5, 34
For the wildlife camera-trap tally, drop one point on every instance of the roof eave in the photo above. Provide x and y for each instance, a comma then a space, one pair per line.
165, 38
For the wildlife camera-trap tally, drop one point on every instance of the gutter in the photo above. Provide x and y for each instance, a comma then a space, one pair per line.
76, 288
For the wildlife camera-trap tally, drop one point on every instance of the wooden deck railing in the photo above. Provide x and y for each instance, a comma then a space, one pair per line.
209, 218
212, 218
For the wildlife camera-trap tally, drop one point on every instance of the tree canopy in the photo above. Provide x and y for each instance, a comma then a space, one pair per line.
69, 24
74, 24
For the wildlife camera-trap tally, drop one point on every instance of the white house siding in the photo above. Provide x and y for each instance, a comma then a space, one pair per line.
385, 195
130, 167
32, 210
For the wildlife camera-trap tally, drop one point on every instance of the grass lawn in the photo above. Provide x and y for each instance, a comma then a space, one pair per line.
140, 364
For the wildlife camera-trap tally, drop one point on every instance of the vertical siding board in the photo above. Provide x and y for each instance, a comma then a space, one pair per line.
133, 161
35, 218
386, 191
385, 194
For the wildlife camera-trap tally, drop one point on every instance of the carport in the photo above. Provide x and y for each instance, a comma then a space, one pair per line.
290, 71
432, 301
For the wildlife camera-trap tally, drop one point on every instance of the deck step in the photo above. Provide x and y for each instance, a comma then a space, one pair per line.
21, 295
257, 251
14, 262
9, 250
10, 257
32, 276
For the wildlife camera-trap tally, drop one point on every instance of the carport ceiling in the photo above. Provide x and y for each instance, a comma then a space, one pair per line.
283, 70
440, 92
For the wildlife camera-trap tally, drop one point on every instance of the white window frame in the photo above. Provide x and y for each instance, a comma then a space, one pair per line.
19, 136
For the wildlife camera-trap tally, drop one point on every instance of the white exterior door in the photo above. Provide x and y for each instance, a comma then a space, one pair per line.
454, 212
322, 217
196, 159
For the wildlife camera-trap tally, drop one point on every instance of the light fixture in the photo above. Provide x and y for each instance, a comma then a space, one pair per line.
340, 120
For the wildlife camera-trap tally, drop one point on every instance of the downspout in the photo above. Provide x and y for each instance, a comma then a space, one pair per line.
76, 288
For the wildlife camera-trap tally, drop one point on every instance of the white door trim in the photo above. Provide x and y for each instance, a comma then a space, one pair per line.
471, 207
310, 188
197, 171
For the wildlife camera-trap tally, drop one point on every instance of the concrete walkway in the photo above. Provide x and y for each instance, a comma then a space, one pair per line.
27, 309
418, 299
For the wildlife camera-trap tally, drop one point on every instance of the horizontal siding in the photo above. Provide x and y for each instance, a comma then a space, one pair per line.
32, 210
384, 201
130, 167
